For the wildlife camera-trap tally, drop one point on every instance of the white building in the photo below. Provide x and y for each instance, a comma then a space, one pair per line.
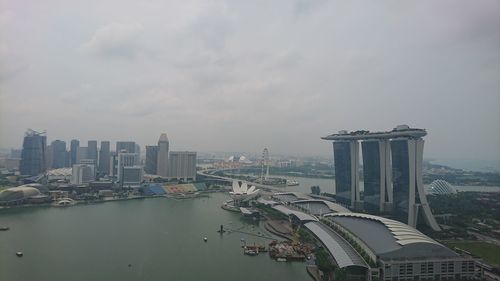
182, 165
82, 173
125, 159
131, 176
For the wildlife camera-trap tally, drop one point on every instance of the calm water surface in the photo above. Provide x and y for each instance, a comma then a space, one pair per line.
161, 238
328, 185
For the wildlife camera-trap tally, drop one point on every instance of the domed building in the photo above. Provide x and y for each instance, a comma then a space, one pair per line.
441, 187
21, 194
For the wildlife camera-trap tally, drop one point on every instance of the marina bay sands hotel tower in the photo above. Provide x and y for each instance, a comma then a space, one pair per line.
392, 173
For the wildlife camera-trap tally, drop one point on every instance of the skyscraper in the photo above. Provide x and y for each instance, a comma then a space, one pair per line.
92, 149
82, 152
73, 150
376, 175
58, 154
104, 157
162, 166
182, 165
82, 173
33, 154
129, 146
346, 157
131, 176
408, 187
49, 154
151, 159
398, 187
125, 160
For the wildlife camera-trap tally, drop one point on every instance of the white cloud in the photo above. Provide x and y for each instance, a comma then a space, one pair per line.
115, 39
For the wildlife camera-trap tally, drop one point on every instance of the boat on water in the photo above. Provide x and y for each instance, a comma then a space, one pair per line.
19, 254
292, 183
281, 259
250, 252
66, 202
4, 228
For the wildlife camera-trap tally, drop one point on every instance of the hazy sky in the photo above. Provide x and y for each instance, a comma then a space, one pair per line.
244, 75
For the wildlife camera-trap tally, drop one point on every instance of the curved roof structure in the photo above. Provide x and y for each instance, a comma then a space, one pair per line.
441, 187
341, 251
321, 207
290, 196
389, 238
300, 215
19, 193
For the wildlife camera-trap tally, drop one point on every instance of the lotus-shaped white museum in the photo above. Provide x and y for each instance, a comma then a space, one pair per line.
242, 192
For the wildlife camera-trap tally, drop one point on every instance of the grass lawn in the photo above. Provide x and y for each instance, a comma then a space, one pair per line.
487, 251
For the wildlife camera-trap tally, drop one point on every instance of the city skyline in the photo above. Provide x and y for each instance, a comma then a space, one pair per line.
218, 69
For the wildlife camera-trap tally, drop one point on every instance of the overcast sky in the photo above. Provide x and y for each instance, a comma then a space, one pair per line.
244, 75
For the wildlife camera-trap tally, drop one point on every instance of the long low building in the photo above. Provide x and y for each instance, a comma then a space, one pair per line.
402, 252
370, 247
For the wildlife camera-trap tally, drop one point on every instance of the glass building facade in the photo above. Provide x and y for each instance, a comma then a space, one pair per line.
343, 180
73, 151
151, 159
400, 179
58, 154
104, 155
371, 175
33, 160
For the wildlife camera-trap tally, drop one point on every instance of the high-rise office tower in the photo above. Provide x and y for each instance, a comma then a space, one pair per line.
346, 157
125, 159
182, 165
48, 156
58, 154
33, 154
113, 164
392, 169
92, 150
82, 173
376, 175
138, 152
131, 176
151, 159
67, 162
73, 150
104, 157
82, 152
128, 146
162, 166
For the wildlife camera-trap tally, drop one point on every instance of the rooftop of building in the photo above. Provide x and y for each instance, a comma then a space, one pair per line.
300, 215
320, 207
399, 131
61, 172
390, 239
342, 252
